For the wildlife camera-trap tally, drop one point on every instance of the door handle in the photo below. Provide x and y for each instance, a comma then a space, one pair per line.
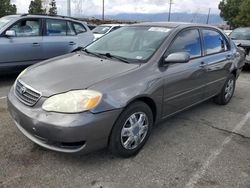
203, 65
72, 43
36, 44
229, 56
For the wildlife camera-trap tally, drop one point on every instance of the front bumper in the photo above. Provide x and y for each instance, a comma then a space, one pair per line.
68, 133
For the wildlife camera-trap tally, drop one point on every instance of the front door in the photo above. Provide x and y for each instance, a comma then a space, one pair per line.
25, 48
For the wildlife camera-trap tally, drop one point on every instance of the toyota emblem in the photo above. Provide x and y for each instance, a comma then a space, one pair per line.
23, 90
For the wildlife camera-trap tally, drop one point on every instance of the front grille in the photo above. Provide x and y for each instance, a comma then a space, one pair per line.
26, 94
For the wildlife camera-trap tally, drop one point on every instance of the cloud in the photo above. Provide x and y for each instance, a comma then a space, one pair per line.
94, 7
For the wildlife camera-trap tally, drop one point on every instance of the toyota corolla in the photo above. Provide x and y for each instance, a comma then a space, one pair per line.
111, 93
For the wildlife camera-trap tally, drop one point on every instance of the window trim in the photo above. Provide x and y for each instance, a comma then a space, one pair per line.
183, 30
19, 20
203, 41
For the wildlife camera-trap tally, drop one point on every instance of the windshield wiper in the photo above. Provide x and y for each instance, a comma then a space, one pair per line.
93, 53
125, 60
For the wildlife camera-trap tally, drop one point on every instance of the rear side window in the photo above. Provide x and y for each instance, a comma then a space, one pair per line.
214, 42
79, 28
187, 41
56, 27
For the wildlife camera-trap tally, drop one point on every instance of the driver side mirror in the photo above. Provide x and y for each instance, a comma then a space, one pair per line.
10, 33
179, 57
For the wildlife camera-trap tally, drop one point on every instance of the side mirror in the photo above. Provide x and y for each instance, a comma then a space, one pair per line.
10, 33
179, 57
238, 44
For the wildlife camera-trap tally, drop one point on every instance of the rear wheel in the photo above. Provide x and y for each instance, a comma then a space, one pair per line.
227, 91
131, 130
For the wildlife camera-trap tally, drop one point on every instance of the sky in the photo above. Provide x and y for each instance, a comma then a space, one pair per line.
94, 7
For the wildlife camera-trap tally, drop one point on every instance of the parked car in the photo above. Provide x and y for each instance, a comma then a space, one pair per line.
28, 39
228, 32
115, 90
104, 29
91, 26
241, 37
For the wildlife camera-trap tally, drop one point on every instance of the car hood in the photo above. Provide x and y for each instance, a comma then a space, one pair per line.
97, 36
72, 72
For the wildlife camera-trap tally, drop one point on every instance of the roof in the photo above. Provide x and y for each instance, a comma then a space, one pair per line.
113, 25
51, 16
170, 24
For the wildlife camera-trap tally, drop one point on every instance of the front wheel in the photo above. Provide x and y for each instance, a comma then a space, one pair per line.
131, 130
227, 91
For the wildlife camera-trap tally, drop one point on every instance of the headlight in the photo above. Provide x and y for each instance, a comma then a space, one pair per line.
73, 101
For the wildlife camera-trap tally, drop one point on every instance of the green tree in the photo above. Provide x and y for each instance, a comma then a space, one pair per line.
53, 8
36, 7
230, 10
243, 18
6, 8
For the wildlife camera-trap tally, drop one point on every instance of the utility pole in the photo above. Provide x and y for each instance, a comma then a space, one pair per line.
102, 10
69, 8
170, 8
208, 16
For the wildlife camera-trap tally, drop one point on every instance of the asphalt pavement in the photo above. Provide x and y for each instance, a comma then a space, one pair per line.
207, 146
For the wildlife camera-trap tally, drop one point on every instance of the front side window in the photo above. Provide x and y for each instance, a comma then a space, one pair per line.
187, 41
134, 43
214, 42
56, 27
27, 28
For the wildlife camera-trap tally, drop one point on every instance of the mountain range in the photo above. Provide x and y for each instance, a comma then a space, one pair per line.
214, 19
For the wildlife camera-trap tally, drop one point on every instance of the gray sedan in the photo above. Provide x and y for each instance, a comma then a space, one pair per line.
112, 93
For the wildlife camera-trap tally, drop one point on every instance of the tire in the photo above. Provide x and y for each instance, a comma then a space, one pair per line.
131, 130
227, 91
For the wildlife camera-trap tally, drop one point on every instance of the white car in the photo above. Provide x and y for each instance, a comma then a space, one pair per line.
104, 29
228, 32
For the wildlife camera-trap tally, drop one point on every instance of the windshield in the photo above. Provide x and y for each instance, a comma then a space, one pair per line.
101, 29
133, 43
4, 21
241, 34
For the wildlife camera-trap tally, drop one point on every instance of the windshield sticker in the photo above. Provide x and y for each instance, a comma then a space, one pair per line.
159, 29
139, 57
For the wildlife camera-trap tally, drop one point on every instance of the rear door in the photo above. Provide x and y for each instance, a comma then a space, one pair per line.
59, 38
217, 61
184, 82
26, 47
